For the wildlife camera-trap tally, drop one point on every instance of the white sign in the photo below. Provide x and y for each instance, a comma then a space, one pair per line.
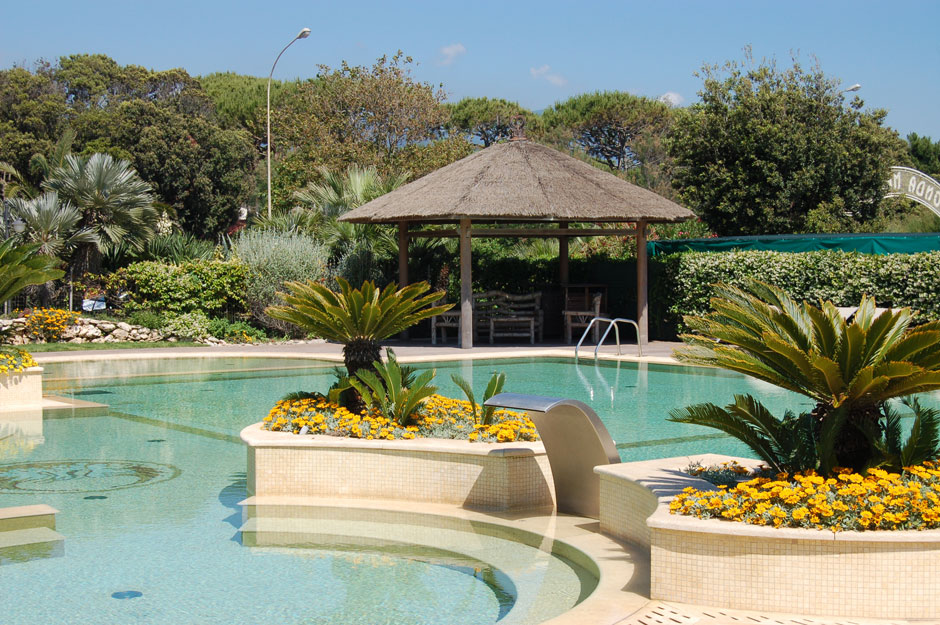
915, 185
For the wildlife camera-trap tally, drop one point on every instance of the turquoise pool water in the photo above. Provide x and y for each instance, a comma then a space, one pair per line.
147, 494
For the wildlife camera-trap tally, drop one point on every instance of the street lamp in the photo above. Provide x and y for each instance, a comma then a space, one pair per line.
854, 87
19, 226
303, 34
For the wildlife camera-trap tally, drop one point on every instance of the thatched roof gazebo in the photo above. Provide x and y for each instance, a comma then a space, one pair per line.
520, 182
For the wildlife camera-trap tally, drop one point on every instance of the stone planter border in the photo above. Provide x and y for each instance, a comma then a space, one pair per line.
21, 391
491, 476
734, 565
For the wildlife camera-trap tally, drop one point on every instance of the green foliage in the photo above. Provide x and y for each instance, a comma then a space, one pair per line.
209, 287
775, 151
21, 266
487, 121
272, 259
617, 128
849, 369
686, 280
147, 318
116, 205
494, 387
389, 389
358, 318
176, 248
374, 116
52, 224
240, 101
925, 153
235, 331
191, 325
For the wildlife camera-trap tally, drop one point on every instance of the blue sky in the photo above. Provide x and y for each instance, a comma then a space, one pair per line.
535, 53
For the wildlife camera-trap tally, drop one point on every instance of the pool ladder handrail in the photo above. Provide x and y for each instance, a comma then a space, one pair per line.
611, 323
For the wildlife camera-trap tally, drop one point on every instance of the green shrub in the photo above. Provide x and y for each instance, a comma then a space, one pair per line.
192, 325
211, 287
685, 281
272, 258
147, 319
235, 331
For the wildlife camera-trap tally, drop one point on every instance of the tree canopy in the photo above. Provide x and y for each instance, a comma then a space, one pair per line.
485, 120
772, 150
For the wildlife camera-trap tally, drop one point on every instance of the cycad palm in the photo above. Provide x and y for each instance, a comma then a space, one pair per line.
848, 369
20, 267
357, 318
115, 203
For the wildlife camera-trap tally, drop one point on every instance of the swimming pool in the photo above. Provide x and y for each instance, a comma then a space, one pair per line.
148, 494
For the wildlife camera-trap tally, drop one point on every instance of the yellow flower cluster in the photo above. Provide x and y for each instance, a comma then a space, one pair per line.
48, 324
438, 417
15, 361
877, 500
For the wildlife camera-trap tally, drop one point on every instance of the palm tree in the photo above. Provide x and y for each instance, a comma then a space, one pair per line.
115, 203
357, 318
357, 248
54, 226
21, 267
849, 369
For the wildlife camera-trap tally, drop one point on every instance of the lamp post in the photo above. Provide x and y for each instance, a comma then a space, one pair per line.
303, 34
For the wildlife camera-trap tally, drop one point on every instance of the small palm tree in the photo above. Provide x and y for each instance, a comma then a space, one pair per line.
357, 318
115, 203
52, 224
21, 267
849, 369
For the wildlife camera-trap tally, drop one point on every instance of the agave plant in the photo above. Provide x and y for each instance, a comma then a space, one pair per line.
21, 267
850, 369
357, 318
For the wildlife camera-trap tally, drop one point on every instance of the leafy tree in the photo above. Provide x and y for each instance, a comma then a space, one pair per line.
379, 117
21, 267
33, 114
771, 151
116, 205
925, 153
240, 101
612, 126
485, 120
200, 170
849, 369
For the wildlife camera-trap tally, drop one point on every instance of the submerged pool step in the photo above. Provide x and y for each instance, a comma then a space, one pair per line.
28, 532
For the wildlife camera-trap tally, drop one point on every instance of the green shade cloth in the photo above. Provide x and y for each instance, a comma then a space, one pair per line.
865, 243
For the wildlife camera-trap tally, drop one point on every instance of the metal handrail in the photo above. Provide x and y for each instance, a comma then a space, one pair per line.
612, 323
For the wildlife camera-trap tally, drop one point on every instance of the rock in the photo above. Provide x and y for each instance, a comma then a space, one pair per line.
118, 335
106, 326
125, 326
100, 339
77, 339
171, 339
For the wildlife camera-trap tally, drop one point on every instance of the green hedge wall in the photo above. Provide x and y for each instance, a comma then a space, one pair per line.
213, 287
682, 284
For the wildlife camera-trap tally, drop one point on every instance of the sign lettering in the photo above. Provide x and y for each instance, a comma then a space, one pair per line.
915, 185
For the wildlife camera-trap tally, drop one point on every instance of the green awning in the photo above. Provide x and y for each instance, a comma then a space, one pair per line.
864, 243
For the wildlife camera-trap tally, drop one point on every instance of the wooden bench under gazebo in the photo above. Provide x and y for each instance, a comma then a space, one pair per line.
520, 189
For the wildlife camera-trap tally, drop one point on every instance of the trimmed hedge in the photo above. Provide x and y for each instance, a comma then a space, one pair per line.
212, 287
683, 286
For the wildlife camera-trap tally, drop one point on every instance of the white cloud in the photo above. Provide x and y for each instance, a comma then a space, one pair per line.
671, 98
545, 72
451, 52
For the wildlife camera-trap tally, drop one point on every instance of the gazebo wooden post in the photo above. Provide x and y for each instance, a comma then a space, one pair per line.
403, 263
563, 255
642, 306
402, 253
466, 287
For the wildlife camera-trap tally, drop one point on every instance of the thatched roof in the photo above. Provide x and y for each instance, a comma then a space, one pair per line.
519, 181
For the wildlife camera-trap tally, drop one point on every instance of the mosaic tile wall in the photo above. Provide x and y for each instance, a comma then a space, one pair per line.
496, 482
826, 577
625, 506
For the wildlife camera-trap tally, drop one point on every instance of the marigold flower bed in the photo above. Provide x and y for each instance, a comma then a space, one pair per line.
438, 417
847, 502
15, 361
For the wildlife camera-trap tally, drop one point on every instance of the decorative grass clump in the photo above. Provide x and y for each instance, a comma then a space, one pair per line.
438, 417
848, 501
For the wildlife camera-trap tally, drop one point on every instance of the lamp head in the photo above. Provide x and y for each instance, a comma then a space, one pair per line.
19, 226
303, 34
854, 87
